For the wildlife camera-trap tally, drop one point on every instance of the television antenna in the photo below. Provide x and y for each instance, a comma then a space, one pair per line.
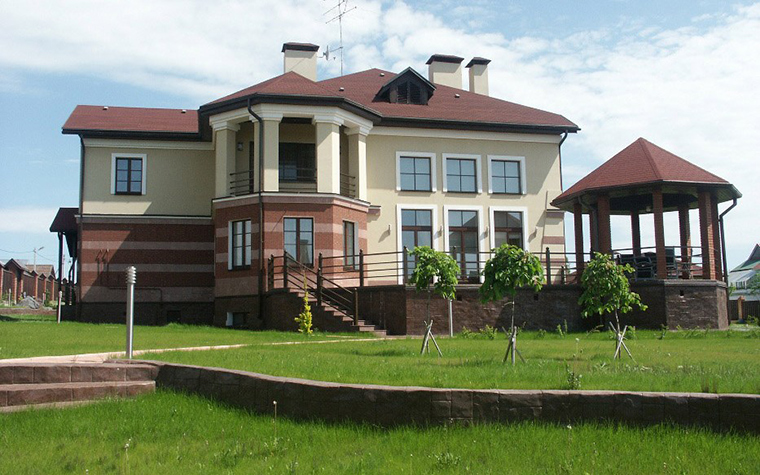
338, 11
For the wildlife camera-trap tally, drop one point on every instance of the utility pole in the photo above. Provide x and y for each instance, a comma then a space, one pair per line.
35, 251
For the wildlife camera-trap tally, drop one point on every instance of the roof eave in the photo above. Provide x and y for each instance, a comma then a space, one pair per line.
134, 134
392, 121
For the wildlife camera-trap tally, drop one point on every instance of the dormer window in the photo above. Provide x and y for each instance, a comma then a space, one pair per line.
409, 87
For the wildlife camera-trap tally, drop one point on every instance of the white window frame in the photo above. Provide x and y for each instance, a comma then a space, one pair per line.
481, 233
507, 158
478, 172
492, 223
434, 225
230, 256
144, 158
433, 176
356, 243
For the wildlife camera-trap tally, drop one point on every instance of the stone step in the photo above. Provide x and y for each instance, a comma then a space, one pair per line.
13, 395
47, 373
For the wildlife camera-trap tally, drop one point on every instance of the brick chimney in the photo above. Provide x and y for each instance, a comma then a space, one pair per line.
301, 58
478, 75
446, 70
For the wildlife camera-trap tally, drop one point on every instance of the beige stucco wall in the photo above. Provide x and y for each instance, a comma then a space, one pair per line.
178, 182
542, 185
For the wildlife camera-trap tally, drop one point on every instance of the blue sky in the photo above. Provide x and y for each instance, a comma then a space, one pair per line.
681, 74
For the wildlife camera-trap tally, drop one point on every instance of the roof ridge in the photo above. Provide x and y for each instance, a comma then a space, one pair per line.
644, 144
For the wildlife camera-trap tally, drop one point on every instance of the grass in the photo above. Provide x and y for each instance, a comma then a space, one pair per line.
24, 336
173, 433
688, 361
28, 318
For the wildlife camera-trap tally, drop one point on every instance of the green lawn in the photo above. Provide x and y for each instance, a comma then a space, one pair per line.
698, 361
24, 336
172, 433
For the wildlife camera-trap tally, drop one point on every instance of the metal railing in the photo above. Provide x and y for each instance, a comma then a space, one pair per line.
681, 263
347, 185
241, 183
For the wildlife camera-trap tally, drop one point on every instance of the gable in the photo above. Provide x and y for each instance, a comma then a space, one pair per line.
408, 87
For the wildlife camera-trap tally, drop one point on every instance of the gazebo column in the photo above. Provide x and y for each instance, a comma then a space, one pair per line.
578, 221
593, 218
659, 234
685, 231
635, 233
603, 225
707, 235
716, 238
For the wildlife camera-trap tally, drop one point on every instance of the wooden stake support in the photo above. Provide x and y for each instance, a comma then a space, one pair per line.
620, 337
512, 347
429, 336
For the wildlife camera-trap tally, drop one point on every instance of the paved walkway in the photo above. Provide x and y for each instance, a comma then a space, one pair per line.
101, 357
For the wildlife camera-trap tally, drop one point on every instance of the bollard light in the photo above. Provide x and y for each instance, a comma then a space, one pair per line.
131, 281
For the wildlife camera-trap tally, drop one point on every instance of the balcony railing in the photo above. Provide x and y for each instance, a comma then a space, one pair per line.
298, 179
241, 183
347, 185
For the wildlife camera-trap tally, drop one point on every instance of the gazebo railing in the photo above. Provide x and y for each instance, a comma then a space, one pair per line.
681, 262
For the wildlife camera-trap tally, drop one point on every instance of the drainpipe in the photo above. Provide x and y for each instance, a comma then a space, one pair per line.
261, 208
559, 151
723, 240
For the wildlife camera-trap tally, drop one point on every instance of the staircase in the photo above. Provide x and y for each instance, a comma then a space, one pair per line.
327, 317
26, 385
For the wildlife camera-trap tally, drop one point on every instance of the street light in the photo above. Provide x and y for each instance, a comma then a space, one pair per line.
36, 250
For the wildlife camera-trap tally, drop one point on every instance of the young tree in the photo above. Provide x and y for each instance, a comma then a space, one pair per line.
508, 270
606, 290
442, 271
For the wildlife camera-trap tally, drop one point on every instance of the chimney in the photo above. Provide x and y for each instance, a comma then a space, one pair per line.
446, 70
301, 58
479, 75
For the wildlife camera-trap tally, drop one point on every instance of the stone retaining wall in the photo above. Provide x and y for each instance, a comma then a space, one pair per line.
396, 405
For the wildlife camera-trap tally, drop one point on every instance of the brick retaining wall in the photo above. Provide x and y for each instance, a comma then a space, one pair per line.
398, 405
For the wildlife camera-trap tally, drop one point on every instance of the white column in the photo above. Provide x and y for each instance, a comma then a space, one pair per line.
357, 159
328, 154
271, 151
225, 156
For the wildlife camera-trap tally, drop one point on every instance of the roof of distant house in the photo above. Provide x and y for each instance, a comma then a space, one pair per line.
752, 262
448, 107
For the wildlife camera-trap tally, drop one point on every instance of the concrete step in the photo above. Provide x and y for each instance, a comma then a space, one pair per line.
47, 373
14, 395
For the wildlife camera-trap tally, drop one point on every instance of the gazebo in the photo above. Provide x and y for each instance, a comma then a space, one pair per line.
641, 179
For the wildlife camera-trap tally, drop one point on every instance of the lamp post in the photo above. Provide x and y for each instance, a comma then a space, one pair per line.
35, 251
131, 280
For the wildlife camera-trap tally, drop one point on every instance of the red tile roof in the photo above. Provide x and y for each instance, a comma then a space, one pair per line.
642, 162
444, 105
131, 119
447, 104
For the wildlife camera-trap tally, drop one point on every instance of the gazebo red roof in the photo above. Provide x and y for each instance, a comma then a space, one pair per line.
643, 163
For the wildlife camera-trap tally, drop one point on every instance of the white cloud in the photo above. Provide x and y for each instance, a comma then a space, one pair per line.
27, 220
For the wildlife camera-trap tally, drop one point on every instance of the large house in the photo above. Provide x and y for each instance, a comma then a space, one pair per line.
204, 203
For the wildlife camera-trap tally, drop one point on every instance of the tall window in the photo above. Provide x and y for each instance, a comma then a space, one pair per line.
299, 239
240, 241
461, 175
128, 177
298, 162
506, 176
416, 230
463, 242
415, 174
508, 228
349, 244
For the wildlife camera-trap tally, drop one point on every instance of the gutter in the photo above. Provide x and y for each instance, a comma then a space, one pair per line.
261, 208
723, 240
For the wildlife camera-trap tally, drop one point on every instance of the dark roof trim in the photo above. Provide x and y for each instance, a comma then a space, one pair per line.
299, 47
445, 58
561, 200
477, 60
479, 126
134, 134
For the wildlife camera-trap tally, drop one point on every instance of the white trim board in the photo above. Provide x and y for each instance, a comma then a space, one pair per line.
520, 209
433, 175
142, 156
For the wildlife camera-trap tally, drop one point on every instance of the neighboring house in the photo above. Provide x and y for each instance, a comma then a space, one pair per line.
18, 279
742, 276
198, 200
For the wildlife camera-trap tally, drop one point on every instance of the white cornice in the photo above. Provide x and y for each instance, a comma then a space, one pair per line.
464, 134
147, 144
331, 114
